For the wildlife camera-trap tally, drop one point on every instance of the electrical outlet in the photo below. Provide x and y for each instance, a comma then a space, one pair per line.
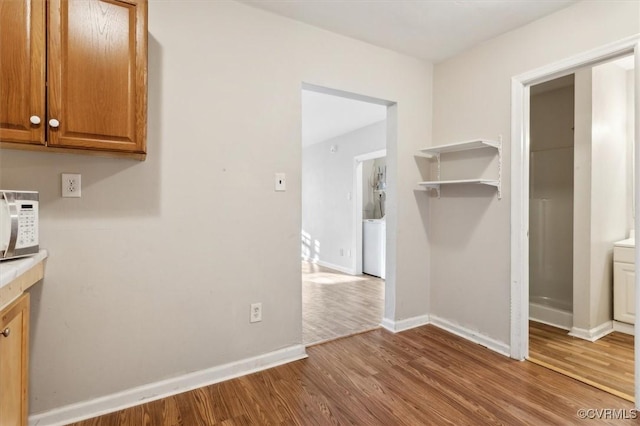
71, 185
256, 312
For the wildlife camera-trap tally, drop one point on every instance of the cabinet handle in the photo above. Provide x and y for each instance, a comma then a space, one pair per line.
34, 119
54, 123
6, 332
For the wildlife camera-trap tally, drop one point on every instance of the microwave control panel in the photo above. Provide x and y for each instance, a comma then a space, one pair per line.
27, 224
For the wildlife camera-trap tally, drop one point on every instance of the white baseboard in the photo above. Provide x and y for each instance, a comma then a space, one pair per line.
474, 336
409, 323
550, 316
562, 327
164, 388
405, 324
592, 334
623, 327
330, 265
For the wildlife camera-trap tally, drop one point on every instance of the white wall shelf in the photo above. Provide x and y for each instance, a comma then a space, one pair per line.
433, 151
436, 151
436, 183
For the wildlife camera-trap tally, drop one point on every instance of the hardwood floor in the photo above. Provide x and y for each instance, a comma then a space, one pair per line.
423, 376
336, 304
606, 363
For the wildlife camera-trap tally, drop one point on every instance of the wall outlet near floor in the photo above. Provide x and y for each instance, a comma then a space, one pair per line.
71, 185
341, 252
256, 312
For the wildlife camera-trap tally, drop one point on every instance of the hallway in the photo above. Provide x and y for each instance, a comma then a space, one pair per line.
335, 304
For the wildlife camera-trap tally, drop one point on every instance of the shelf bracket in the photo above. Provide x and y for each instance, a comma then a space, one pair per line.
432, 188
438, 178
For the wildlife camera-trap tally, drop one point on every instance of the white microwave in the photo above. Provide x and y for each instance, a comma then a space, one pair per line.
18, 223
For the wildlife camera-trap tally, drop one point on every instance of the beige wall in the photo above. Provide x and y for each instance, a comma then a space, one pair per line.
327, 178
630, 147
609, 204
472, 98
151, 273
582, 199
601, 211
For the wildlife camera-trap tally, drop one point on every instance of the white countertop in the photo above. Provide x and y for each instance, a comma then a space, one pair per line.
12, 269
629, 242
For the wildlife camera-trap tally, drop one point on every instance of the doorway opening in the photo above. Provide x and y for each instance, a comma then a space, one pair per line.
520, 196
344, 142
581, 180
370, 211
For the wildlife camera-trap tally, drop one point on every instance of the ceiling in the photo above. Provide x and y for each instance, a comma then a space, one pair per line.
327, 116
428, 29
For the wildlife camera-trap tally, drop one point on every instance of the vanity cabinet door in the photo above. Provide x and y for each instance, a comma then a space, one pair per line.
624, 276
14, 355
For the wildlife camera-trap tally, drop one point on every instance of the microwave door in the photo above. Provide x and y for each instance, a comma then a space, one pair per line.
8, 224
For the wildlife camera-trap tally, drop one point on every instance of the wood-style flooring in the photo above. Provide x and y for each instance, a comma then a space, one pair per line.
606, 363
423, 376
336, 304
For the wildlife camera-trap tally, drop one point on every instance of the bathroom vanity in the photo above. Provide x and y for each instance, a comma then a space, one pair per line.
624, 272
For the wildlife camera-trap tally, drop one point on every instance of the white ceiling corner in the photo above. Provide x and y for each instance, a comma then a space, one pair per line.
432, 30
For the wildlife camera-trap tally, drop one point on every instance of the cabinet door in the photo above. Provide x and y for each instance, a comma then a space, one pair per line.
97, 74
14, 339
624, 282
22, 75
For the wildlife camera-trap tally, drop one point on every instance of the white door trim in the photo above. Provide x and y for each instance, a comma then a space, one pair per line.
357, 205
520, 182
636, 219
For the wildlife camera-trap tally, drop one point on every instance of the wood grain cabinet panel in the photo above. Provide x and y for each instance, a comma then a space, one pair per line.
14, 356
22, 70
96, 75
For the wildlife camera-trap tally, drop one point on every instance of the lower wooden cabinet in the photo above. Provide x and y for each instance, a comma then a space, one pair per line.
14, 358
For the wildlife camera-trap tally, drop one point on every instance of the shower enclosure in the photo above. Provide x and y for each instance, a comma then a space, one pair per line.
551, 203
551, 237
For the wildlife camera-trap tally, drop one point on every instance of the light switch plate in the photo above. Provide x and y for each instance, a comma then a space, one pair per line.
281, 182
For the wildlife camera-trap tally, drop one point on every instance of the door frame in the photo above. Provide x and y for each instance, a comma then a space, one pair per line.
358, 181
520, 149
391, 200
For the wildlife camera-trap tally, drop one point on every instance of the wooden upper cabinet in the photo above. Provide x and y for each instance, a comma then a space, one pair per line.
97, 74
90, 93
22, 71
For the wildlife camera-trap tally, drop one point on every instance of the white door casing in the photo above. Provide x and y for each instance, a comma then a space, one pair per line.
520, 84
